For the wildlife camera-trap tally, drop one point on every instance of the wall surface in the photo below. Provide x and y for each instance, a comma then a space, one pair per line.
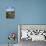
31, 11
27, 12
7, 25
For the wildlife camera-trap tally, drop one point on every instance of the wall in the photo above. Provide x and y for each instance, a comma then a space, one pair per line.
7, 25
27, 12
31, 11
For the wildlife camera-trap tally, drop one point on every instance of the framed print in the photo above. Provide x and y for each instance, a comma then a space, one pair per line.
10, 13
